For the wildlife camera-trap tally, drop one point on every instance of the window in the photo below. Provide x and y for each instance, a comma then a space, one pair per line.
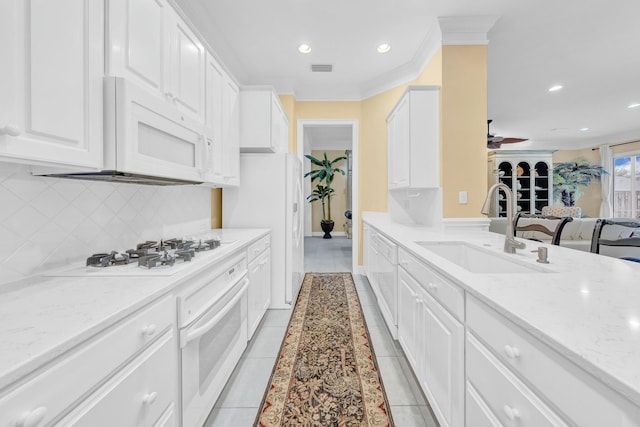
626, 186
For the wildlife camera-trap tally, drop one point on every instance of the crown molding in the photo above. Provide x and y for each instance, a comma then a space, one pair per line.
466, 30
408, 72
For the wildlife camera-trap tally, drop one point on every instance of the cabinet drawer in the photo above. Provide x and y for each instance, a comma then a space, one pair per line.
137, 396
478, 411
507, 397
580, 397
87, 367
446, 293
256, 248
387, 248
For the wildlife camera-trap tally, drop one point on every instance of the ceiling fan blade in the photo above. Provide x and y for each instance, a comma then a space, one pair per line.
513, 140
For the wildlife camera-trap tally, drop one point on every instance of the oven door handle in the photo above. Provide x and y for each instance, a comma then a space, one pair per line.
201, 330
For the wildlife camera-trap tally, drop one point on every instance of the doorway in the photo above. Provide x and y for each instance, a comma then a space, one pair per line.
329, 135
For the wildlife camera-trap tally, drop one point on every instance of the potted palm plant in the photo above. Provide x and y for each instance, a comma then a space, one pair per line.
324, 173
568, 177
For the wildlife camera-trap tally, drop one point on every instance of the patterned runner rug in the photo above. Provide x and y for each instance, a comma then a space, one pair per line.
326, 373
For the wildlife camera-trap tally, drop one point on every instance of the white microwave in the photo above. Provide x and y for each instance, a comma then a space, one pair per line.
147, 140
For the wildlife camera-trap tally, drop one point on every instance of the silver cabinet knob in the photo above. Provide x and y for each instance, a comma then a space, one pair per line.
10, 130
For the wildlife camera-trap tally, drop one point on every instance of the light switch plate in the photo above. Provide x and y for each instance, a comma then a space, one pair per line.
462, 197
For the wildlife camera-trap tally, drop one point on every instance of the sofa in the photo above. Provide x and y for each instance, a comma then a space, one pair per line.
575, 235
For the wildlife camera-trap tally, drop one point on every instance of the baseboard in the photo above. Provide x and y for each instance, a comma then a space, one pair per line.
333, 233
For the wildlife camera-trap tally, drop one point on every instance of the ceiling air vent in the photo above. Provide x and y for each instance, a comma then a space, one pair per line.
321, 68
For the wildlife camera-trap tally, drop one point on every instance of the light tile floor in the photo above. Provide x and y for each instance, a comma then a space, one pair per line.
238, 404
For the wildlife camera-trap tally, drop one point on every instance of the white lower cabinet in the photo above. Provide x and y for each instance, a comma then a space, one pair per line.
259, 293
512, 402
136, 396
442, 371
574, 395
39, 397
433, 342
408, 317
387, 265
478, 368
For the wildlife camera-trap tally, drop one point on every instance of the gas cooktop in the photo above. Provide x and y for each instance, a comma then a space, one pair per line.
151, 258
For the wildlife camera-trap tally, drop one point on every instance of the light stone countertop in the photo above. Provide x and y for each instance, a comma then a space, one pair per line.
43, 317
586, 307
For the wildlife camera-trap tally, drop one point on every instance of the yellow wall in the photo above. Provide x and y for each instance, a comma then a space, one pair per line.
626, 148
216, 208
289, 104
464, 126
339, 199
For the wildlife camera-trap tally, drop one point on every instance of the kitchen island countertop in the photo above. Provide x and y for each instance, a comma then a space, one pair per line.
583, 305
43, 317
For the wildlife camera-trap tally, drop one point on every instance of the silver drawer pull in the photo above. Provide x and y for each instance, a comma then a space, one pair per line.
511, 352
149, 329
149, 398
32, 418
432, 286
511, 413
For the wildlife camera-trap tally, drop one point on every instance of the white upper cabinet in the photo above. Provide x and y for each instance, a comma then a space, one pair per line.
413, 128
230, 133
264, 126
222, 123
51, 82
214, 104
187, 69
150, 45
138, 40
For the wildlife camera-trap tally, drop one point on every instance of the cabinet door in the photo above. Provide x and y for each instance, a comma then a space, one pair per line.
392, 129
231, 134
214, 106
259, 292
366, 249
51, 82
408, 317
138, 40
187, 66
253, 296
265, 272
398, 150
442, 372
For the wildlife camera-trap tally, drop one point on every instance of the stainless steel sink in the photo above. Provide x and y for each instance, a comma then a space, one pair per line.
477, 260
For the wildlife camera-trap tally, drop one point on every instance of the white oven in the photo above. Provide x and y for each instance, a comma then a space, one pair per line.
212, 317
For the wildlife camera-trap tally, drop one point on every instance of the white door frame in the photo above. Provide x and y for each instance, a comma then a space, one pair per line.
355, 221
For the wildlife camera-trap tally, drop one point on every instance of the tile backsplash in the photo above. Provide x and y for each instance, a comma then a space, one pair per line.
49, 222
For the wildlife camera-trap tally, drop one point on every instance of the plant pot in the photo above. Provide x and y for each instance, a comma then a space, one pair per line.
327, 227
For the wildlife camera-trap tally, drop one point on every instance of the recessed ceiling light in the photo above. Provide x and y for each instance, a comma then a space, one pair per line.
584, 129
634, 105
555, 88
304, 48
384, 48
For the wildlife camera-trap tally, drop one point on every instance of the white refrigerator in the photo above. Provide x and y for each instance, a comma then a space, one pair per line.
270, 196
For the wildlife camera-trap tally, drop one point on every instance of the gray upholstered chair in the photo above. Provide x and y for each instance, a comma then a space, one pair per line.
528, 226
617, 237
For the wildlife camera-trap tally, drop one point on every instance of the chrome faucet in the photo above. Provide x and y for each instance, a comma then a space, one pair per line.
510, 243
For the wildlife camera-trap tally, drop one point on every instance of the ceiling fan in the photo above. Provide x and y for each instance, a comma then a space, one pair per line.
494, 141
